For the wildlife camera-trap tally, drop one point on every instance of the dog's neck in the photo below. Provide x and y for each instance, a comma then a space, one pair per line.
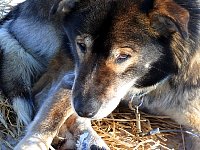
190, 77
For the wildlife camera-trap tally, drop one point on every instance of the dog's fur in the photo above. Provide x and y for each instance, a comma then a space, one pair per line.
146, 48
30, 36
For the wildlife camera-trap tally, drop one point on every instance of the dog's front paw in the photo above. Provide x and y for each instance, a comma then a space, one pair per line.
32, 143
91, 141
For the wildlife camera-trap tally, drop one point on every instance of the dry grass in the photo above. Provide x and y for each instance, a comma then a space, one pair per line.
120, 131
10, 129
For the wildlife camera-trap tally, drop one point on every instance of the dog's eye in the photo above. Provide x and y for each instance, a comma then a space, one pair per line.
122, 58
82, 47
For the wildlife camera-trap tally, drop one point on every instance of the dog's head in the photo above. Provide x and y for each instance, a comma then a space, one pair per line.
121, 45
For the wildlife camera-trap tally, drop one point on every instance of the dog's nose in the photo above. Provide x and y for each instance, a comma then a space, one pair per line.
86, 114
85, 108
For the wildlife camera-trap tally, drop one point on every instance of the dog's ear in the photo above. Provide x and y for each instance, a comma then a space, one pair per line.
64, 6
168, 17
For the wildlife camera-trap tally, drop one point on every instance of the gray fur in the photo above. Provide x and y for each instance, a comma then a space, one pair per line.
29, 38
41, 37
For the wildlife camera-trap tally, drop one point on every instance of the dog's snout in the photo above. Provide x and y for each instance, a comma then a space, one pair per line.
86, 109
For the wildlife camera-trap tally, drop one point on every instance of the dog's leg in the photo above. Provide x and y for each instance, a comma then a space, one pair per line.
83, 135
47, 122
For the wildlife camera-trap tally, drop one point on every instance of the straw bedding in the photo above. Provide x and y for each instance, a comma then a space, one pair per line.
119, 130
10, 129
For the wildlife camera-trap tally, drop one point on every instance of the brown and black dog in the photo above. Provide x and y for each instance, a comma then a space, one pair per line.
147, 48
141, 48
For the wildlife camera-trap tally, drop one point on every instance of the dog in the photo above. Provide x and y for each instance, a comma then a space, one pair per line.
146, 49
142, 48
30, 36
